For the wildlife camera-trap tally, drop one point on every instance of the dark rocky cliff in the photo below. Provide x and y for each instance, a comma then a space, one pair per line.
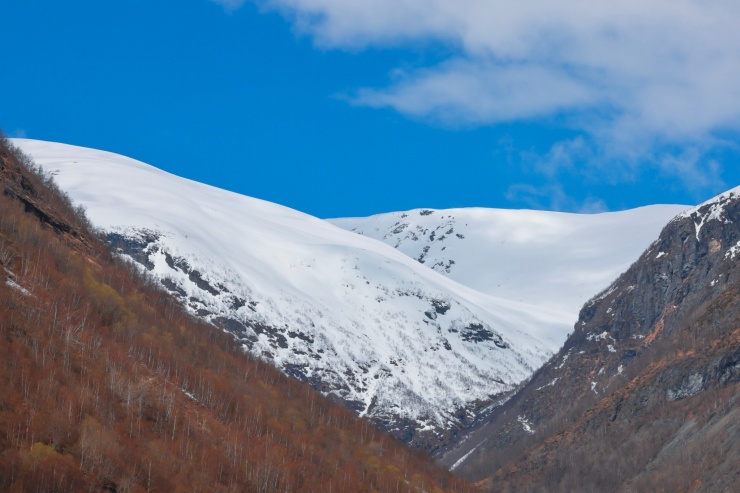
644, 393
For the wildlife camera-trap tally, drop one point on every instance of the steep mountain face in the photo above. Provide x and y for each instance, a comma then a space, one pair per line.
549, 259
644, 395
417, 352
109, 385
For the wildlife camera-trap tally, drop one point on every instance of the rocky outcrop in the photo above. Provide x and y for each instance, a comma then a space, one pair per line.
647, 380
40, 197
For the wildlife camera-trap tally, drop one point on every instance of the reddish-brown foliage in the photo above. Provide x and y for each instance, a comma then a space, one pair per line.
108, 385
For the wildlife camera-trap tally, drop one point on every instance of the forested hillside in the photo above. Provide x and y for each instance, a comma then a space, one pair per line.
108, 385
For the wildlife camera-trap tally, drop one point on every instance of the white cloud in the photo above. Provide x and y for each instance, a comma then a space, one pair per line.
630, 74
465, 91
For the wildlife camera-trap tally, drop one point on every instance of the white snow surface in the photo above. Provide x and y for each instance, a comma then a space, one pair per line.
380, 329
556, 261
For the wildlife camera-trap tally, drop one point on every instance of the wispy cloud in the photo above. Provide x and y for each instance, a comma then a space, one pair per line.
480, 92
690, 165
695, 171
633, 76
553, 197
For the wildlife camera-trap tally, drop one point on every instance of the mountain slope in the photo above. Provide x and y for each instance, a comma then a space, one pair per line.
644, 396
109, 385
550, 259
417, 352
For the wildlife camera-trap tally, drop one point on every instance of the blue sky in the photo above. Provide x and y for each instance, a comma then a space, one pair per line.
355, 107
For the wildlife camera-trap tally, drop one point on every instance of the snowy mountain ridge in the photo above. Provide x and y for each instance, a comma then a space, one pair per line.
418, 352
396, 341
549, 259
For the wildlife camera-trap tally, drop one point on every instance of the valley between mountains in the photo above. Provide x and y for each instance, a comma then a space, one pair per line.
498, 342
424, 322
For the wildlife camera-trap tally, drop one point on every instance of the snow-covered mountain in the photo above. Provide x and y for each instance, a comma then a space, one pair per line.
421, 352
553, 260
395, 340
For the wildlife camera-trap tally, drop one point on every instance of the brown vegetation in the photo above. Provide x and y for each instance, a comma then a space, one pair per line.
106, 384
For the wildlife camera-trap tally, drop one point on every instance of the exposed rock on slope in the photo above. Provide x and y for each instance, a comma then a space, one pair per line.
109, 385
415, 351
550, 259
644, 394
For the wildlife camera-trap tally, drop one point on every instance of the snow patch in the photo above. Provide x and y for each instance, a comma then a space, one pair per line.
525, 424
716, 210
549, 384
732, 252
17, 287
598, 337
462, 459
603, 295
565, 358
